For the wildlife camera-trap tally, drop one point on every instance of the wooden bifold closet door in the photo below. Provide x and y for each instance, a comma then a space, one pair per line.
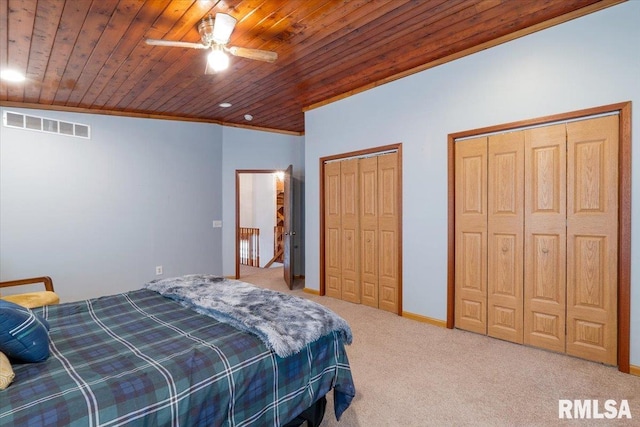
505, 236
546, 237
471, 235
361, 230
536, 237
332, 231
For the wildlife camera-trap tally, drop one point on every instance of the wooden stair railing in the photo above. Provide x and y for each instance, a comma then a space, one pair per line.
274, 259
250, 246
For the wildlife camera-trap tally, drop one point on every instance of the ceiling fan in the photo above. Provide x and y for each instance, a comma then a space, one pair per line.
215, 34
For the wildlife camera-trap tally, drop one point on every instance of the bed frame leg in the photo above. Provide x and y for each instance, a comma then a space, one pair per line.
313, 415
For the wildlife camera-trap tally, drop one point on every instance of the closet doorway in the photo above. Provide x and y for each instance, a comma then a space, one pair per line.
539, 242
264, 219
361, 227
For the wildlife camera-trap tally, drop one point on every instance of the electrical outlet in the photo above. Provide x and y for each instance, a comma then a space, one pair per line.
158, 270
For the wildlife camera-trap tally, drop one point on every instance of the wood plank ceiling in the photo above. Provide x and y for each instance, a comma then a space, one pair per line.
90, 55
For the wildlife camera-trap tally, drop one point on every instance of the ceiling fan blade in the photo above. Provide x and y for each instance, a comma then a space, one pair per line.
172, 43
260, 55
223, 26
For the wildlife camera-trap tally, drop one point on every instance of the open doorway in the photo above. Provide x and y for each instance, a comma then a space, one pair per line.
263, 222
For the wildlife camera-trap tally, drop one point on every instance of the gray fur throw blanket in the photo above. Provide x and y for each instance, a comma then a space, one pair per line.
285, 323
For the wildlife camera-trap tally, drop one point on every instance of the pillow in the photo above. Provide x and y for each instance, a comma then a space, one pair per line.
6, 372
24, 336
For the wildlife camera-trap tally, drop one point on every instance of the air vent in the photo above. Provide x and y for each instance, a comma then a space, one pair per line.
43, 124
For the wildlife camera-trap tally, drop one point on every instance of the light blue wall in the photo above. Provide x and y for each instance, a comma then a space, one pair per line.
98, 215
249, 149
587, 62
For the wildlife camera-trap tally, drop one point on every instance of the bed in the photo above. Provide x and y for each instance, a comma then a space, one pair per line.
152, 357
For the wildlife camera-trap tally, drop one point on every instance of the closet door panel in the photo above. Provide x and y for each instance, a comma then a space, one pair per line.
505, 236
332, 232
545, 237
369, 230
592, 230
350, 251
388, 230
471, 235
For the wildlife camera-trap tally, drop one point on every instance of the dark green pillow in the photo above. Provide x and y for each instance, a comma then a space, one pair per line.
24, 336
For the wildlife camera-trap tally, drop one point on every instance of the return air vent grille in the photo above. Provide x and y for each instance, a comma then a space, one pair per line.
42, 124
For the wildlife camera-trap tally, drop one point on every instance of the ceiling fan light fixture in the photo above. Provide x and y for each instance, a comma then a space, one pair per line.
217, 59
223, 27
215, 34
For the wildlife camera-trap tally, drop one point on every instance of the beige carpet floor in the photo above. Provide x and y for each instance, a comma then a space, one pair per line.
409, 373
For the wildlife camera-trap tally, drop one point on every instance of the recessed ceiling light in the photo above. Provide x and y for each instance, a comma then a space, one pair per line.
248, 117
225, 105
12, 76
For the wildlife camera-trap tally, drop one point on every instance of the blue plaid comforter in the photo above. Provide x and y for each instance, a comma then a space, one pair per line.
141, 359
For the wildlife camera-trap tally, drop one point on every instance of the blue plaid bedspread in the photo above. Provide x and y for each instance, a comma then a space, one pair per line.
141, 359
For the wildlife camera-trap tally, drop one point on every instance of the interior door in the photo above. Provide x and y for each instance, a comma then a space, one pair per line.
289, 233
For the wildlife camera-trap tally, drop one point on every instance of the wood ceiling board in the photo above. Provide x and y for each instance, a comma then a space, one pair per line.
82, 61
65, 37
236, 92
23, 15
90, 55
122, 48
45, 26
452, 36
117, 24
285, 81
144, 57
